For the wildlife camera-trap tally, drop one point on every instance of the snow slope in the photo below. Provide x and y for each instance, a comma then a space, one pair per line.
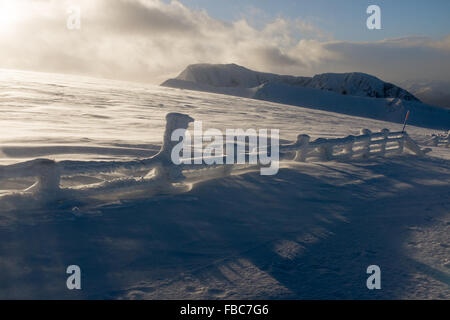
232, 75
308, 232
393, 110
350, 93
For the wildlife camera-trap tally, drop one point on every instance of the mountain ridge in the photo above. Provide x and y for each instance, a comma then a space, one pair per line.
235, 76
355, 94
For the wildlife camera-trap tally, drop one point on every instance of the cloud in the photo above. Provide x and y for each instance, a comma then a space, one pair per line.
433, 92
152, 40
395, 59
145, 18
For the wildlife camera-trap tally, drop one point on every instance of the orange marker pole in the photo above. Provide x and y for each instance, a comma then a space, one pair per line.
406, 119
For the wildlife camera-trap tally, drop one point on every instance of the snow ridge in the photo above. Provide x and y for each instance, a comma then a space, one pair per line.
235, 76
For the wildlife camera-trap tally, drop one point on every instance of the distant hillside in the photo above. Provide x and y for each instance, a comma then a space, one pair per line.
433, 92
234, 76
355, 94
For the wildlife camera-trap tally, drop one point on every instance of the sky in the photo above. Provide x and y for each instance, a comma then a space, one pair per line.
152, 40
345, 20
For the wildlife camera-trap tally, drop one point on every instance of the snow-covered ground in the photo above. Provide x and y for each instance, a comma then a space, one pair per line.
309, 232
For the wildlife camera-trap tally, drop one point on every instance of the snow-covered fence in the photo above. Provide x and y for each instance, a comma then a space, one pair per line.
164, 172
439, 140
48, 173
367, 144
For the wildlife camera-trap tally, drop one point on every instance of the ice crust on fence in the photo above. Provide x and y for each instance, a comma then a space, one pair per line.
160, 172
439, 140
367, 144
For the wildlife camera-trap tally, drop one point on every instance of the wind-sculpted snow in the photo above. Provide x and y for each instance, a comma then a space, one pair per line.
74, 168
159, 173
84, 179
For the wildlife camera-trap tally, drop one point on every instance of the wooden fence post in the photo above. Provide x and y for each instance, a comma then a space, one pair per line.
48, 177
325, 149
366, 147
401, 143
348, 148
385, 133
303, 143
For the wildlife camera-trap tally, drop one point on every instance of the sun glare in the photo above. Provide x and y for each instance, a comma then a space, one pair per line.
9, 14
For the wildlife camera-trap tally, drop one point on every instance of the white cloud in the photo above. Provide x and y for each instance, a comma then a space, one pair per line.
151, 40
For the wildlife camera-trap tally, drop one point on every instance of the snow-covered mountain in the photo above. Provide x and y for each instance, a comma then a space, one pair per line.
356, 94
234, 76
359, 84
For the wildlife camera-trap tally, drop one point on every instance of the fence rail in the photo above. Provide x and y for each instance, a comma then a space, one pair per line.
367, 144
439, 140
